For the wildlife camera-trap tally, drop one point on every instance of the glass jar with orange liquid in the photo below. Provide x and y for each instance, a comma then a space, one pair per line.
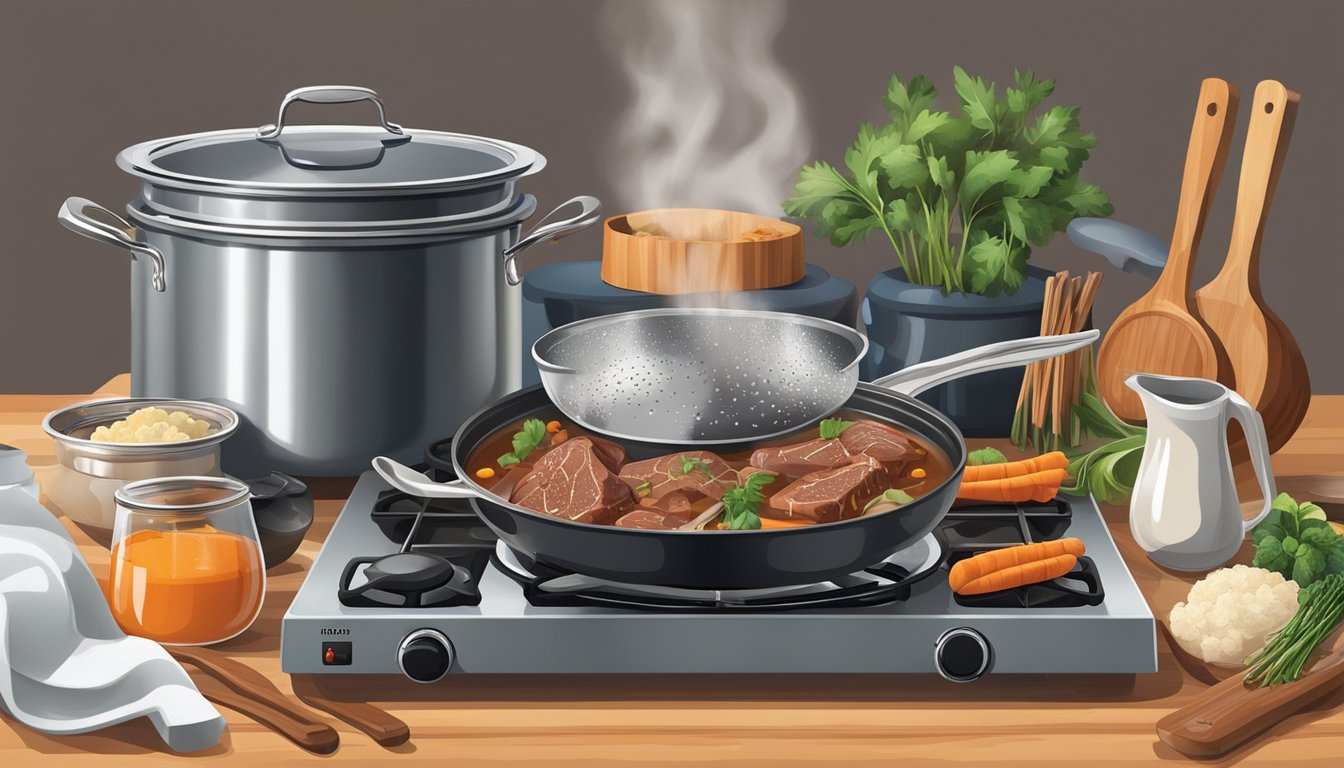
186, 561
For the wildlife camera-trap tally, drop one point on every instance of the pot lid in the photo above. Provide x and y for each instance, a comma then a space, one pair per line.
337, 158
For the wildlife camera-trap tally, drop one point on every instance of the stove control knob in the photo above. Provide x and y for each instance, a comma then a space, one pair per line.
961, 655
425, 656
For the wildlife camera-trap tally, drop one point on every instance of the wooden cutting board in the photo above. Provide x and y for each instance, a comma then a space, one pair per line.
699, 250
1229, 714
1162, 332
1267, 364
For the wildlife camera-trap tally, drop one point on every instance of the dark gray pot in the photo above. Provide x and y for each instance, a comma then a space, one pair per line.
909, 324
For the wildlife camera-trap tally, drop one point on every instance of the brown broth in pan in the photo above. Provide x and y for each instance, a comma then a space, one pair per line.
926, 471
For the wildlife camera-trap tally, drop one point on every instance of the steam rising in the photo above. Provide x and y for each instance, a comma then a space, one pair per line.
714, 122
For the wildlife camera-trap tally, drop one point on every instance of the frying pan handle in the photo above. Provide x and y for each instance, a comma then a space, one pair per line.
991, 357
407, 480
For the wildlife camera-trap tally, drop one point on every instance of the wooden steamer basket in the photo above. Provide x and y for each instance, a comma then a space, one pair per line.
703, 251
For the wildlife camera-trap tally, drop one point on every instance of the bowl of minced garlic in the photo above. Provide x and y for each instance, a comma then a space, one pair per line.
103, 444
151, 425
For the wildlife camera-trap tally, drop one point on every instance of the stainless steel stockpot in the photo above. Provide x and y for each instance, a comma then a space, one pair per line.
348, 291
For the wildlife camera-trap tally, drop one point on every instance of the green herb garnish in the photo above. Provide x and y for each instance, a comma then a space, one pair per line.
961, 198
524, 442
741, 504
1296, 541
690, 464
1107, 472
831, 428
644, 488
1320, 610
893, 497
986, 455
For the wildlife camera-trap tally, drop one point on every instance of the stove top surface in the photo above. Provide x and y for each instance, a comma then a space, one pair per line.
508, 615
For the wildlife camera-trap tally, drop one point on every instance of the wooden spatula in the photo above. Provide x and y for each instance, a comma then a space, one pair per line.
1227, 715
1266, 361
1161, 332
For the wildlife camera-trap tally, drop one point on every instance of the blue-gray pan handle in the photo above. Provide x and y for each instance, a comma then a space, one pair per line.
1130, 249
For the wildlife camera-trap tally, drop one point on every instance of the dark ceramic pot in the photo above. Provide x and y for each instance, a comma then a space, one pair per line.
909, 323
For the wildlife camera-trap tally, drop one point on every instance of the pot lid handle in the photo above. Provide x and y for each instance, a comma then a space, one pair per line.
327, 94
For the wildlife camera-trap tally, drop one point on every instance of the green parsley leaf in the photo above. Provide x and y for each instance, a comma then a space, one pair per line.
742, 504
691, 464
524, 442
831, 429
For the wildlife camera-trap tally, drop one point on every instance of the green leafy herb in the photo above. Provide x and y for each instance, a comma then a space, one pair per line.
1320, 610
986, 455
831, 428
690, 464
741, 504
1295, 540
644, 488
890, 499
524, 442
1107, 472
962, 198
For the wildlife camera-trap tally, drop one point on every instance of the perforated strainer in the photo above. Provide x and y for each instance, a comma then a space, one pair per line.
716, 376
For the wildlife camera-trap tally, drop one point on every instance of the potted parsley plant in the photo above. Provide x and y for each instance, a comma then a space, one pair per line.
962, 199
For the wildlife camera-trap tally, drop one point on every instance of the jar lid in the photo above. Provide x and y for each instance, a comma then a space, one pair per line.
277, 158
13, 466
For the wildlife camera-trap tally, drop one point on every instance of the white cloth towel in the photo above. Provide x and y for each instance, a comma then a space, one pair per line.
65, 665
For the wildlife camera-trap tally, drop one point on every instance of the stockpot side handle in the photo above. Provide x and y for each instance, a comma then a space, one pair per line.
590, 210
328, 94
74, 216
407, 480
991, 357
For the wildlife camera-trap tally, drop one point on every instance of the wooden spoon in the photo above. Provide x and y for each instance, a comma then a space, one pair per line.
1266, 361
237, 686
1161, 333
1223, 717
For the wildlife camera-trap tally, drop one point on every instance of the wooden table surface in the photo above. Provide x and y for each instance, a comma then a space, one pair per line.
1002, 720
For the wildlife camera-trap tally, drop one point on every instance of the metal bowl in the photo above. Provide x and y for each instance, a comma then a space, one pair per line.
82, 483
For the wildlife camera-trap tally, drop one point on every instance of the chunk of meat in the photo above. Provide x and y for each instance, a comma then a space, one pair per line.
801, 458
831, 494
675, 503
664, 474
572, 481
884, 443
651, 519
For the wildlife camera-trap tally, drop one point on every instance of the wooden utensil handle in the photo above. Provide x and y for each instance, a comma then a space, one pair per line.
385, 729
309, 734
1206, 155
1228, 714
1272, 115
245, 682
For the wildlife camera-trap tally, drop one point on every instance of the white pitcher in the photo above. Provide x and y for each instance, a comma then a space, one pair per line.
1185, 512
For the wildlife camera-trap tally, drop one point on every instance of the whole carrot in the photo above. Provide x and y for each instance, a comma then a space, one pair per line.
985, 563
1037, 486
1019, 575
1052, 460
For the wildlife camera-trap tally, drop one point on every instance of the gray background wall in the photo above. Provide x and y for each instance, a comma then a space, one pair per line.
85, 79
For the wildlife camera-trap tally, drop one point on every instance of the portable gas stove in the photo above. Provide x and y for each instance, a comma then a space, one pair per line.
482, 608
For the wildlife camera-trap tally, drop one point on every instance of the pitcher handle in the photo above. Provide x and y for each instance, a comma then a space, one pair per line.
1254, 428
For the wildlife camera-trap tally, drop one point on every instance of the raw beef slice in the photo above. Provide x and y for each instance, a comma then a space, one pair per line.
875, 439
664, 474
831, 494
573, 482
801, 458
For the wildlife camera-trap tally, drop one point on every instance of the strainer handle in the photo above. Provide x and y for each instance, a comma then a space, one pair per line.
991, 357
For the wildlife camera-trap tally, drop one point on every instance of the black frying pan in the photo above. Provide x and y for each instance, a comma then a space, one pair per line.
700, 559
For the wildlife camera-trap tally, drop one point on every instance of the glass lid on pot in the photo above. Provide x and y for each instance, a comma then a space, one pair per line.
314, 159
